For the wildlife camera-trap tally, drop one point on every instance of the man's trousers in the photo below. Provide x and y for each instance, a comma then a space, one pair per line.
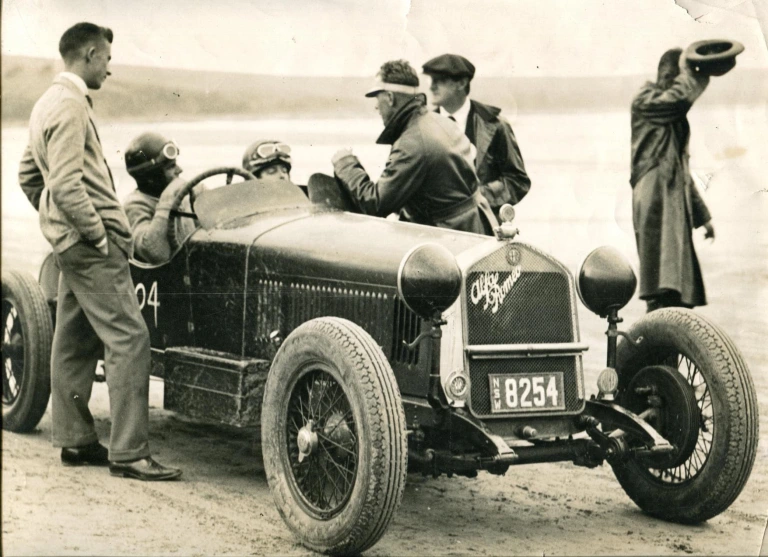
98, 316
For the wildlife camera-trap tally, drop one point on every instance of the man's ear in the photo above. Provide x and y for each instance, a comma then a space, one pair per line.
90, 52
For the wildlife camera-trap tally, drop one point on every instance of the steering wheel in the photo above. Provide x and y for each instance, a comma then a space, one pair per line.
187, 190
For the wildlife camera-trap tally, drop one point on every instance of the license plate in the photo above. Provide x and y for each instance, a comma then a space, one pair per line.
527, 392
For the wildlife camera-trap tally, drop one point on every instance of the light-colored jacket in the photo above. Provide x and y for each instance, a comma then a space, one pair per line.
65, 176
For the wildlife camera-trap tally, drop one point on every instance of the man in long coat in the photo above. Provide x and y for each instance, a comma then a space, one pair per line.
666, 205
429, 177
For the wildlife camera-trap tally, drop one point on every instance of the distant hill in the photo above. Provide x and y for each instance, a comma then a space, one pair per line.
137, 93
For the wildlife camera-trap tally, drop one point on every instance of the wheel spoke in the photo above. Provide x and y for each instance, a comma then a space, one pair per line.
344, 472
343, 419
328, 475
335, 444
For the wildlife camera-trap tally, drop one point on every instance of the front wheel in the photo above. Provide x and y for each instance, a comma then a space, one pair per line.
26, 349
334, 437
690, 379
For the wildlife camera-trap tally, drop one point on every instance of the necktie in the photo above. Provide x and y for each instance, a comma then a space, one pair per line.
90, 100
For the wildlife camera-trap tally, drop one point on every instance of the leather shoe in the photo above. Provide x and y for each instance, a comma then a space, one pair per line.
144, 469
94, 454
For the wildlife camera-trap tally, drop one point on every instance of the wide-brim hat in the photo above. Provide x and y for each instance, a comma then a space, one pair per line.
713, 57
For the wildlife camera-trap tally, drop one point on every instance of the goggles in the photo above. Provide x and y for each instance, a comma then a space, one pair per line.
168, 154
267, 150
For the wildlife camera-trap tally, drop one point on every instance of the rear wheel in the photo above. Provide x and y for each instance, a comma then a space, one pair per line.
333, 436
693, 383
26, 352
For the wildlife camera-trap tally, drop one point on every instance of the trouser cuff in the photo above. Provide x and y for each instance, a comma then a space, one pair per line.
135, 454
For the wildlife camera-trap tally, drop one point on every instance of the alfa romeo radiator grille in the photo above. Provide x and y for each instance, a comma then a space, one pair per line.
516, 296
537, 310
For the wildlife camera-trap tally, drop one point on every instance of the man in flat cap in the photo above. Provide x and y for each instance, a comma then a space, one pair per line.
498, 162
429, 177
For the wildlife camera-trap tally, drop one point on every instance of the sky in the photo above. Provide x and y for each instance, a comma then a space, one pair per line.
353, 37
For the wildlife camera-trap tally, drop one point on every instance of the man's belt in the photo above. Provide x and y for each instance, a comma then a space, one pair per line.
457, 209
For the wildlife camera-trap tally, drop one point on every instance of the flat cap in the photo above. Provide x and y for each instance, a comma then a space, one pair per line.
451, 65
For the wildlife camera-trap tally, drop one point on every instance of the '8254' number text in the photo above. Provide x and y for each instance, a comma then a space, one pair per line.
520, 392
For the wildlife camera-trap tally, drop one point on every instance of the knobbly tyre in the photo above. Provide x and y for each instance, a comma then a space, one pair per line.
366, 347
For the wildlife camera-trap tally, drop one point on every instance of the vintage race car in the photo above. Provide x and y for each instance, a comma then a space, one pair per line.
365, 348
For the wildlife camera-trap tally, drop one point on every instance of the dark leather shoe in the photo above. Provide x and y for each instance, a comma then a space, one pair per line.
145, 469
94, 454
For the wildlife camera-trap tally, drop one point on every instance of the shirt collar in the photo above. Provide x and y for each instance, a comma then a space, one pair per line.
77, 80
460, 115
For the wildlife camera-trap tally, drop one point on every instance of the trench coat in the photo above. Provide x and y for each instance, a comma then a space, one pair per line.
666, 206
499, 164
429, 177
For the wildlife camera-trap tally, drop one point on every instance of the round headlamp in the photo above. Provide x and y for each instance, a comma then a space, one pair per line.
428, 280
605, 281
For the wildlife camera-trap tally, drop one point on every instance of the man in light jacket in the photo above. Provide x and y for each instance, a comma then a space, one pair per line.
66, 178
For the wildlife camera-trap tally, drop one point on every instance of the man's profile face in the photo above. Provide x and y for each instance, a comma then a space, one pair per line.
171, 172
385, 105
445, 89
99, 54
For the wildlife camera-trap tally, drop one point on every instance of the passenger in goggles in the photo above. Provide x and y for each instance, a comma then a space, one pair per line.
268, 160
151, 160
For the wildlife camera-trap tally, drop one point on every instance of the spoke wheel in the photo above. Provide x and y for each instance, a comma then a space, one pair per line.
13, 354
26, 352
333, 437
706, 407
322, 443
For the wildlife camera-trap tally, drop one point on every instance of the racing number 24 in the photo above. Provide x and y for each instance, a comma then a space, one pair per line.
145, 299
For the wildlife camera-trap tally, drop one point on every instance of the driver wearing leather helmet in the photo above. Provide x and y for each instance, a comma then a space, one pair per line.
268, 160
151, 160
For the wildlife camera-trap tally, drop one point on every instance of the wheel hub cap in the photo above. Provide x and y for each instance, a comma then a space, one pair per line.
306, 440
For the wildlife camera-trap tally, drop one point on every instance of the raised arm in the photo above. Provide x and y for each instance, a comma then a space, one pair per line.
668, 105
